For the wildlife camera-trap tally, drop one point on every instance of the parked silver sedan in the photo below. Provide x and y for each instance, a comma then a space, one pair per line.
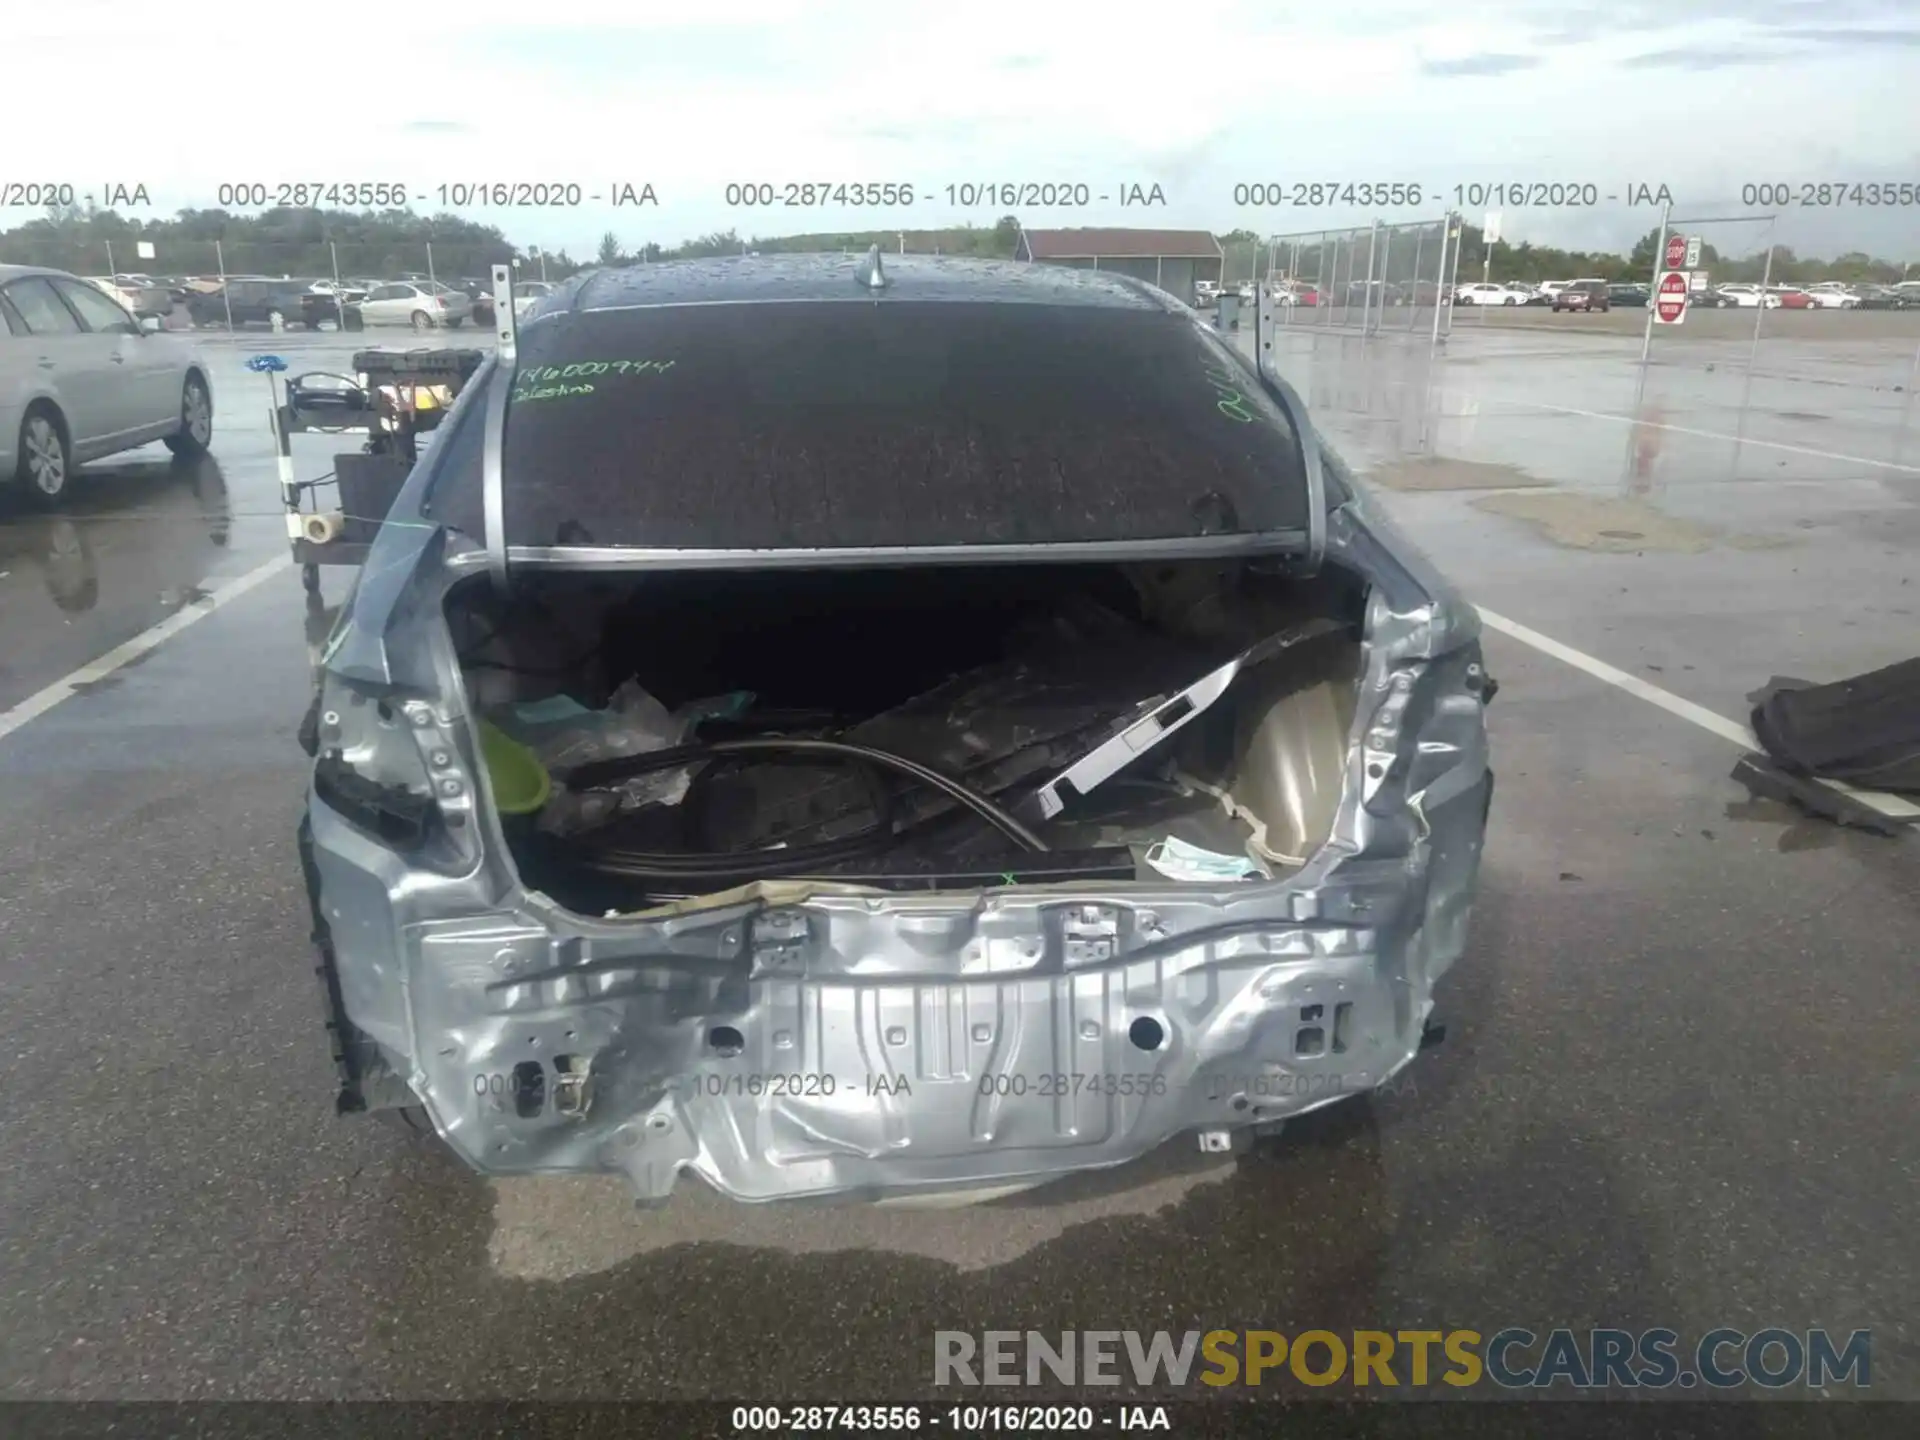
81, 378
422, 304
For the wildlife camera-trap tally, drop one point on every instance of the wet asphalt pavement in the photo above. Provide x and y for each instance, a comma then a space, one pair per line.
1678, 1087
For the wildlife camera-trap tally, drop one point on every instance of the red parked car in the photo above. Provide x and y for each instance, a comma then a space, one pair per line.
1791, 298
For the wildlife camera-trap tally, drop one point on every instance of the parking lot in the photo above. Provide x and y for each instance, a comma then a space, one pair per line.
1678, 1082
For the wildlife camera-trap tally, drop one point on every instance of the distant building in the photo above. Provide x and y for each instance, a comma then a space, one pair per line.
1171, 259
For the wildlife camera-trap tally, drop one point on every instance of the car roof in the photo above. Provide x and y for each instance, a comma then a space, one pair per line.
15, 272
743, 279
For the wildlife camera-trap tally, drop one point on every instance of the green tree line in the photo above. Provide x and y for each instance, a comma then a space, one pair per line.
312, 243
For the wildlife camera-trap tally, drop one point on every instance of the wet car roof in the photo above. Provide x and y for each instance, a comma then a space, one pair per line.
751, 279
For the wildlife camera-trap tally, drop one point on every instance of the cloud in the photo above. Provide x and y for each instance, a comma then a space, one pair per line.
437, 127
1821, 35
1489, 64
1699, 57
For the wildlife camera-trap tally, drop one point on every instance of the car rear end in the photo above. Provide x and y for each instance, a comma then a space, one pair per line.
766, 516
146, 299
450, 306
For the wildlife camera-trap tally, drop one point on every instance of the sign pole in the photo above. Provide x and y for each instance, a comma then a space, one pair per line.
1659, 260
220, 261
1760, 310
1440, 284
271, 366
1489, 237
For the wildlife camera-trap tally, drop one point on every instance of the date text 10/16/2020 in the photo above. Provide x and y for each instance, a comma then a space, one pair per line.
806, 1084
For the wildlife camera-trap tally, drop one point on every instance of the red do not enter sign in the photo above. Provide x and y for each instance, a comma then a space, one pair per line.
1670, 300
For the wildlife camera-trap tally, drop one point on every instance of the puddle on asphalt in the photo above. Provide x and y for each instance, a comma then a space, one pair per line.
1602, 522
561, 1226
1438, 472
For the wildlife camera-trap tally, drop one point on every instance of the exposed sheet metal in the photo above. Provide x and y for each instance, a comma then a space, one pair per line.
812, 1039
493, 492
493, 466
807, 1038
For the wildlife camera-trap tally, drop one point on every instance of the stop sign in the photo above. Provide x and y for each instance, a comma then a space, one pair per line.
1676, 251
1670, 301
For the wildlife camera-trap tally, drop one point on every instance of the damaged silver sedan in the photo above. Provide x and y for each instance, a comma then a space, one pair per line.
845, 733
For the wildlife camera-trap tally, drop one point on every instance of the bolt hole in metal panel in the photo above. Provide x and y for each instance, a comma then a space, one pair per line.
529, 1089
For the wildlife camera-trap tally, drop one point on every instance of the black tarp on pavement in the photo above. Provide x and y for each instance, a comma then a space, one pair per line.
1864, 730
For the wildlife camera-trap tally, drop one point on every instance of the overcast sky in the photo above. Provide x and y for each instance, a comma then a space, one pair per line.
1700, 95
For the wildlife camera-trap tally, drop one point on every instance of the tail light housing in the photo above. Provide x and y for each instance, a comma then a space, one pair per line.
397, 770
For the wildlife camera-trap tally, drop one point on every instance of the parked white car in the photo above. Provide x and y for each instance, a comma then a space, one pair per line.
80, 378
1551, 288
1833, 295
528, 293
1481, 293
140, 299
420, 303
1748, 296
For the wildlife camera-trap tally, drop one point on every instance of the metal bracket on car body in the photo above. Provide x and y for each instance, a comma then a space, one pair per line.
1113, 755
493, 457
506, 324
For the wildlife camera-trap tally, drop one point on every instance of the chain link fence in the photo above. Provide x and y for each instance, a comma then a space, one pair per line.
1377, 279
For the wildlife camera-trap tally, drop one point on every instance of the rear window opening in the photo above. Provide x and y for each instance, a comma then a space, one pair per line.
703, 730
841, 424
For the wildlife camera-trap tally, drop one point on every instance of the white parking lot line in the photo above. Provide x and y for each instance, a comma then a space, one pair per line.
1719, 435
39, 703
1893, 807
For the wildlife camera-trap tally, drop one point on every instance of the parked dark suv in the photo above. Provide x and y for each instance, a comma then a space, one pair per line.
256, 302
1584, 295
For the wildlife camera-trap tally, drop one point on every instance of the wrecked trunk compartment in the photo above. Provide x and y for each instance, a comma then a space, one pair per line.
704, 730
933, 879
863, 731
